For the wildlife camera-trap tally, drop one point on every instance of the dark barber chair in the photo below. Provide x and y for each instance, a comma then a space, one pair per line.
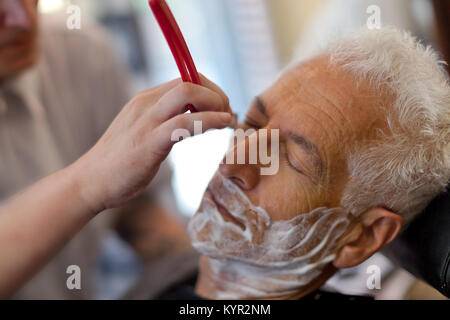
423, 248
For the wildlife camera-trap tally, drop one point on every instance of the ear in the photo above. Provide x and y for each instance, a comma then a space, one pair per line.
377, 227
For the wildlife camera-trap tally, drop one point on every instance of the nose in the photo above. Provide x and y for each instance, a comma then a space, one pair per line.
240, 165
14, 14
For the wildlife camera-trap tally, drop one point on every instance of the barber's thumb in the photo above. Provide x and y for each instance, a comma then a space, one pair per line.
209, 120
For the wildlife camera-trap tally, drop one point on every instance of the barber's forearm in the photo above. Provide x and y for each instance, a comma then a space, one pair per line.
37, 223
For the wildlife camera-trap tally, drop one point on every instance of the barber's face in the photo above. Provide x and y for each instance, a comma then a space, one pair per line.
321, 115
18, 36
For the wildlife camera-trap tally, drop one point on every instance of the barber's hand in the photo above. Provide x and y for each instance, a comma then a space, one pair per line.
127, 157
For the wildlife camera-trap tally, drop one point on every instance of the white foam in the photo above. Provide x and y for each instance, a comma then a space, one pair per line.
264, 259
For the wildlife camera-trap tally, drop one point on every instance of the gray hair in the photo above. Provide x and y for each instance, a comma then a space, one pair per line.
408, 164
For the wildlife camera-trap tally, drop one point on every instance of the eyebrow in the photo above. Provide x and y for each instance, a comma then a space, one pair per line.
311, 149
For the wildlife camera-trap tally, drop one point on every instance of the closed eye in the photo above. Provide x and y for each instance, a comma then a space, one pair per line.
286, 157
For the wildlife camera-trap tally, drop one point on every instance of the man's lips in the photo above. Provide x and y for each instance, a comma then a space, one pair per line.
226, 215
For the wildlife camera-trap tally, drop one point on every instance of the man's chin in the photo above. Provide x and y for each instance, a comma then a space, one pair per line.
206, 247
17, 68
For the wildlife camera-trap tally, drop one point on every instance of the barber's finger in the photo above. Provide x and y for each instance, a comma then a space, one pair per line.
211, 85
175, 101
158, 91
186, 125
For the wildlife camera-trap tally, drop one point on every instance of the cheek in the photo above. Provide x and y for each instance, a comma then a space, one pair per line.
338, 178
287, 194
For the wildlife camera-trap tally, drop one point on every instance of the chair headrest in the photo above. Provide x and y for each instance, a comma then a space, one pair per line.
423, 248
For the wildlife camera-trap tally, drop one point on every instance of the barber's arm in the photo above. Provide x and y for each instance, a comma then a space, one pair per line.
35, 224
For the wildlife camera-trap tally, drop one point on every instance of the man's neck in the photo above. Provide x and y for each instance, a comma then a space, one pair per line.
218, 279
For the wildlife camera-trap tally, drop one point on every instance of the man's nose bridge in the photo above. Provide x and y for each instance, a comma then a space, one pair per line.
244, 173
258, 147
15, 15
251, 150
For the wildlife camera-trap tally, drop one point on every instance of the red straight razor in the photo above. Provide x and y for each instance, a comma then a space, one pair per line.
176, 43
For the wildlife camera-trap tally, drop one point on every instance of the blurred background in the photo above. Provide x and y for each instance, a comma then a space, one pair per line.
243, 45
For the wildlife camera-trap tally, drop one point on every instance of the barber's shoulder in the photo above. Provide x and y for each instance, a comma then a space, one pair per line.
56, 35
77, 60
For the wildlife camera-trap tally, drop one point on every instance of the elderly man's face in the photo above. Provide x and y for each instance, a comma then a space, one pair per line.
18, 36
321, 115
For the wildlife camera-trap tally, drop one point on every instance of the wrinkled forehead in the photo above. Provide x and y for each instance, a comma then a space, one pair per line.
325, 102
318, 80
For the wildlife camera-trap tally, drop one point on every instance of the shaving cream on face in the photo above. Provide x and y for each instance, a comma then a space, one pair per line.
263, 259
